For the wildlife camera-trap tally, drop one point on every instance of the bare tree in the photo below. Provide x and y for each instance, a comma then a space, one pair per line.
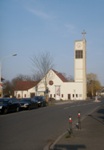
7, 89
22, 78
9, 86
36, 76
42, 64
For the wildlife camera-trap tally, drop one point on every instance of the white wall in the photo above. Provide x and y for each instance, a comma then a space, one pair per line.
21, 94
25, 93
74, 89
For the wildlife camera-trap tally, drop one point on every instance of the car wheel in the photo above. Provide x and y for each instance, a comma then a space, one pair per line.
5, 110
17, 109
42, 105
29, 107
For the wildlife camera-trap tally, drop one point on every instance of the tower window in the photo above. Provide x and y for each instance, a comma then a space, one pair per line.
79, 54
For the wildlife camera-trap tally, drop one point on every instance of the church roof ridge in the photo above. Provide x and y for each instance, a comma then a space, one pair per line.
60, 75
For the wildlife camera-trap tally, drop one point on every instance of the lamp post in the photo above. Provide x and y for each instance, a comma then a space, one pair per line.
1, 89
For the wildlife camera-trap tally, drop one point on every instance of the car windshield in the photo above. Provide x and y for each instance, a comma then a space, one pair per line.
3, 101
34, 100
25, 100
39, 98
36, 97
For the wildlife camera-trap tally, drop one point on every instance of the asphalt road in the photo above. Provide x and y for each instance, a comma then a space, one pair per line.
34, 129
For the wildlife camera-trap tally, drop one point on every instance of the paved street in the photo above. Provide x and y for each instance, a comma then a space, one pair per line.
34, 129
89, 137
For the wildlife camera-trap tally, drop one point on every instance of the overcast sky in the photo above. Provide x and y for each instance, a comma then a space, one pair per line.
30, 27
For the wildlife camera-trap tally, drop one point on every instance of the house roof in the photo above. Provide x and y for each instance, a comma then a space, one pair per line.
60, 76
25, 85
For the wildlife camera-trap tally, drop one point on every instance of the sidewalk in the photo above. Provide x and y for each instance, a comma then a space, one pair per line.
90, 137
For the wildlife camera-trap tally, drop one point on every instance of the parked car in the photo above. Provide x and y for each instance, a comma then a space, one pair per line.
27, 103
9, 105
40, 101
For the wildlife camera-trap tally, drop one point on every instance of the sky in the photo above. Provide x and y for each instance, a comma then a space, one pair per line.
31, 27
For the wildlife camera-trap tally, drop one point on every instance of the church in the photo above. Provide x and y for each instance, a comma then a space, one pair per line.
58, 87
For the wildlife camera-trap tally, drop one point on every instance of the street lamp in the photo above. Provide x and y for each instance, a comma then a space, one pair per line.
1, 91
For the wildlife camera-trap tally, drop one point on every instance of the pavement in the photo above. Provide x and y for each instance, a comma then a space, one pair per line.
89, 137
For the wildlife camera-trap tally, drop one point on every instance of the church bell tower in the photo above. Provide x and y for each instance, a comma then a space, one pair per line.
80, 64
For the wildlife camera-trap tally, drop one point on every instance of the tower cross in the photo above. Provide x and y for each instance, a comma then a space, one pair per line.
83, 34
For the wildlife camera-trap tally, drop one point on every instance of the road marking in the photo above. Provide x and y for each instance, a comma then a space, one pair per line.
78, 105
73, 106
66, 108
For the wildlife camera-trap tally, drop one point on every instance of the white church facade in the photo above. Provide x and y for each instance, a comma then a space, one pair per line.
58, 87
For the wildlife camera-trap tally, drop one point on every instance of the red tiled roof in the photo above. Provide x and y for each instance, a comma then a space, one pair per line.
60, 76
25, 85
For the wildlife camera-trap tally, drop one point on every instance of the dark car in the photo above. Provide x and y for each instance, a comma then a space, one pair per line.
27, 103
40, 101
9, 105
